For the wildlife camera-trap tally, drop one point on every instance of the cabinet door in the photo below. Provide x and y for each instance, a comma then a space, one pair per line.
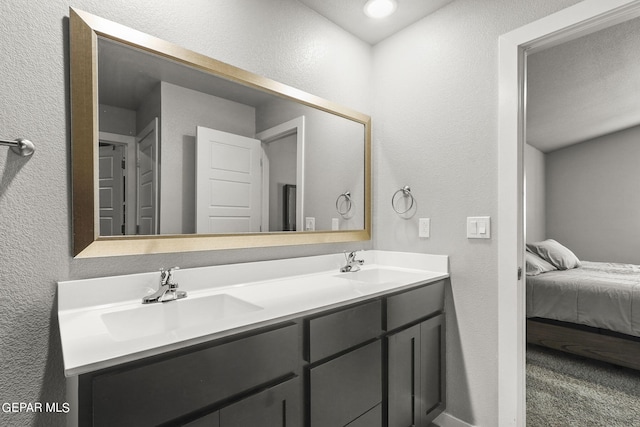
278, 406
416, 374
404, 377
432, 368
345, 388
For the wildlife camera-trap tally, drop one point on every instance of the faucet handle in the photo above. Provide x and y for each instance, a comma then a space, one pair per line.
166, 276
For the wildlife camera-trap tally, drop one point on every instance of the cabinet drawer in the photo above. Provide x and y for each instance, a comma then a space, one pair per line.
168, 389
341, 330
414, 304
347, 387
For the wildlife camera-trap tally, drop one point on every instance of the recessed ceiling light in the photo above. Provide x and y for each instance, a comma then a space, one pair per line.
380, 8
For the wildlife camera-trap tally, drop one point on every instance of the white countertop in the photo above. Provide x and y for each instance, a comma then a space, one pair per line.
103, 322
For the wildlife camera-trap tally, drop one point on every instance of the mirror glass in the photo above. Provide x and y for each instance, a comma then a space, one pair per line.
177, 144
182, 152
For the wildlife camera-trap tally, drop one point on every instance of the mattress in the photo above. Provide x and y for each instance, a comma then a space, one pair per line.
598, 294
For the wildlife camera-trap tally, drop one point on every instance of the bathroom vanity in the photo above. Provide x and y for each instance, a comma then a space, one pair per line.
305, 345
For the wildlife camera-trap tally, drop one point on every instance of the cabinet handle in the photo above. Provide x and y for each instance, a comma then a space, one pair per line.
413, 382
284, 413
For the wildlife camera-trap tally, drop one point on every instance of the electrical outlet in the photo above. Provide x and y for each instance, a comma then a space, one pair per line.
310, 223
335, 224
424, 227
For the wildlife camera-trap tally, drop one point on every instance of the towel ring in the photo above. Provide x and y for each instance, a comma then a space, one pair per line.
347, 199
406, 192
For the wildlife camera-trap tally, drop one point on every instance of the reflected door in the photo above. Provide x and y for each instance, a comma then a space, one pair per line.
228, 182
111, 168
147, 188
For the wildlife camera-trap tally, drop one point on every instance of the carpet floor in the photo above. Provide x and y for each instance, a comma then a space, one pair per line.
565, 391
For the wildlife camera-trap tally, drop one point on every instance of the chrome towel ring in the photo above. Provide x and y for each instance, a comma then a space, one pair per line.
406, 192
346, 199
20, 146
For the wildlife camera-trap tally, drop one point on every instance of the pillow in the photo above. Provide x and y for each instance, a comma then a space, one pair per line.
536, 265
556, 254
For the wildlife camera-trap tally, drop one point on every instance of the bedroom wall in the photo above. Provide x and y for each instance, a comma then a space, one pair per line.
593, 201
535, 205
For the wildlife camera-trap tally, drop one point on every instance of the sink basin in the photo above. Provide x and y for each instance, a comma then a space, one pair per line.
382, 275
160, 318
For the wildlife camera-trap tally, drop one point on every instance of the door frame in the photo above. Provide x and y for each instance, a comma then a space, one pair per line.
130, 142
296, 125
570, 23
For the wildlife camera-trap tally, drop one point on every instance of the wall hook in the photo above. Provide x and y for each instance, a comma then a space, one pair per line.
20, 146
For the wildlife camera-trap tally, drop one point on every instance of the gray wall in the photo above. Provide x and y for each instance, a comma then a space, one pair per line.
334, 161
35, 194
182, 111
435, 123
535, 201
282, 155
441, 142
593, 202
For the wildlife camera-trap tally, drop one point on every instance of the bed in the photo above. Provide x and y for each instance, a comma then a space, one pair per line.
587, 308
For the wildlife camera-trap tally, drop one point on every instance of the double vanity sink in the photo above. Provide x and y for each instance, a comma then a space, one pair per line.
103, 322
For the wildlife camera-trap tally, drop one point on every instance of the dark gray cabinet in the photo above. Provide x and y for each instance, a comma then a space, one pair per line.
277, 406
375, 363
347, 387
166, 389
347, 382
416, 369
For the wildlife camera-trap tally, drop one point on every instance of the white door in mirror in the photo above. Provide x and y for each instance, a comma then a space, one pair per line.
228, 182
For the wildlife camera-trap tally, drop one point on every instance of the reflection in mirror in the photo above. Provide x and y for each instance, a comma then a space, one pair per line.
201, 154
174, 151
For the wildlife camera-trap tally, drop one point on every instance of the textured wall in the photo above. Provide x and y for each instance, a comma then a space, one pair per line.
593, 203
280, 39
435, 129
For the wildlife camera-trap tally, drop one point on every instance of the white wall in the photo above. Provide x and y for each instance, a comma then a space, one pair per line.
280, 39
535, 197
435, 129
593, 201
334, 161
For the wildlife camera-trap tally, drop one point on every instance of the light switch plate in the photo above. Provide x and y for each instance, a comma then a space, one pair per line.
424, 227
335, 224
479, 227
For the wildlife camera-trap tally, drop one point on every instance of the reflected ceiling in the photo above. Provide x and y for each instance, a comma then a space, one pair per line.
126, 86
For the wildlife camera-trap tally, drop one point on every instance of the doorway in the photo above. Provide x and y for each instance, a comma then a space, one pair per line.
578, 20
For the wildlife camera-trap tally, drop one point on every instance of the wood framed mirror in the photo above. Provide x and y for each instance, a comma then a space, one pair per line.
148, 180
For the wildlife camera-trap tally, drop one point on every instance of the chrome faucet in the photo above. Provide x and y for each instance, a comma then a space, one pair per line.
352, 264
168, 290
